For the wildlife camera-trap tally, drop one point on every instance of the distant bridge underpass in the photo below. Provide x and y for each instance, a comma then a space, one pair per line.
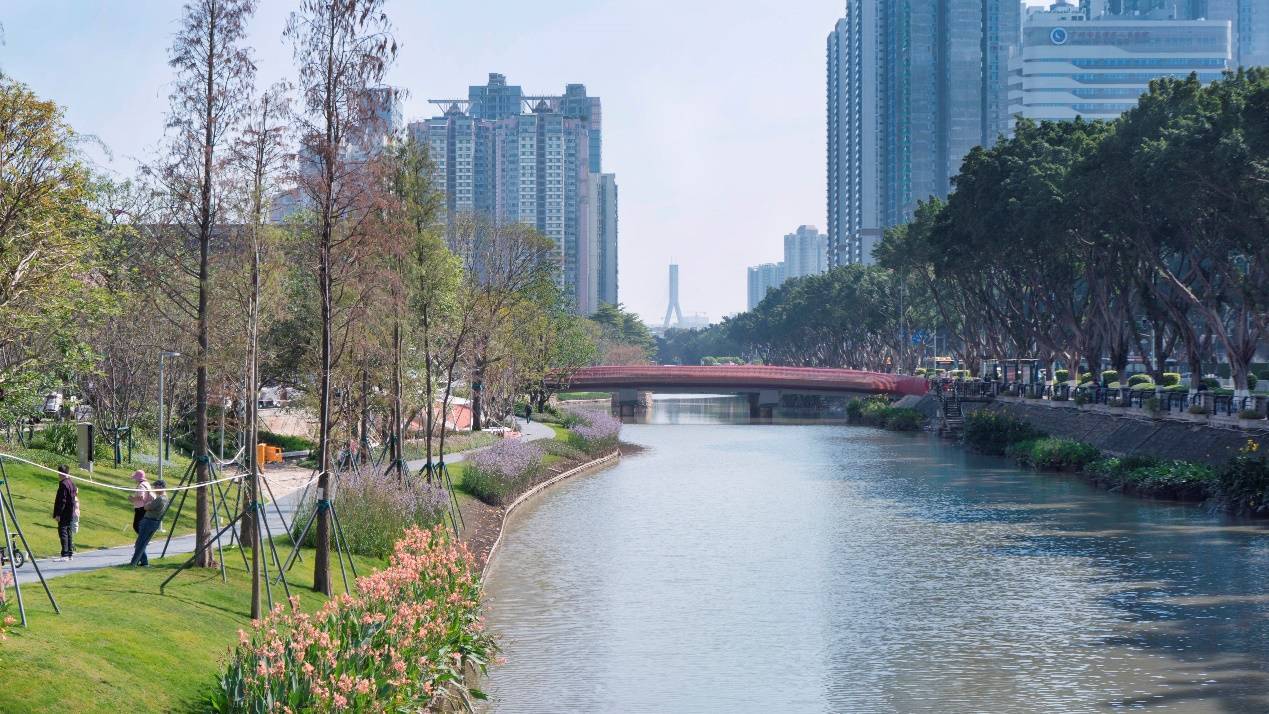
764, 385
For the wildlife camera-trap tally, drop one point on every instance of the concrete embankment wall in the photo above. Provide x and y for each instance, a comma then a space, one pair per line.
1125, 435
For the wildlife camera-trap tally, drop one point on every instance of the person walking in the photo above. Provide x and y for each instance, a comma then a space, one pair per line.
150, 523
139, 498
66, 512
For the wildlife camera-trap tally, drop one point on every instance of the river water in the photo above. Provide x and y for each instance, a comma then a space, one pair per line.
762, 568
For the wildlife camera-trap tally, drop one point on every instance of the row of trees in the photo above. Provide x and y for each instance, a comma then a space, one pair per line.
363, 299
1070, 242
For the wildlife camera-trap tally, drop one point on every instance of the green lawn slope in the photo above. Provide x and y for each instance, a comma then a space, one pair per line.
120, 645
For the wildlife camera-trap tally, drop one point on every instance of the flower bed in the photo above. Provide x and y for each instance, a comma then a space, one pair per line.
496, 474
6, 620
406, 641
375, 506
595, 432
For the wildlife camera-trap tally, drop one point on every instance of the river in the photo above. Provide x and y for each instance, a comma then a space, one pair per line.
817, 568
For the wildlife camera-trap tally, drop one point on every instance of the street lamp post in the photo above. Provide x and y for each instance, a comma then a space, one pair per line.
162, 419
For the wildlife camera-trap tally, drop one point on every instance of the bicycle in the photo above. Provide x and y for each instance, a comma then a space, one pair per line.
18, 557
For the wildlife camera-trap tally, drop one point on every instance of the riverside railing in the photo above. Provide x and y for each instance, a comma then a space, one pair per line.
1153, 401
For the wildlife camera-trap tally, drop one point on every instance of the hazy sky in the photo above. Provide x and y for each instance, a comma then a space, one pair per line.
713, 111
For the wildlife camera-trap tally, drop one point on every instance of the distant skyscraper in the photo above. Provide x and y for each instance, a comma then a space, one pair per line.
1072, 66
913, 85
536, 160
805, 252
1249, 25
607, 288
762, 280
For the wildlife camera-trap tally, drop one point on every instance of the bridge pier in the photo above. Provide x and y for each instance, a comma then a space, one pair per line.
631, 402
763, 405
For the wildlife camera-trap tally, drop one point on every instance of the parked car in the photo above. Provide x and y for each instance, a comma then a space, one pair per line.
52, 403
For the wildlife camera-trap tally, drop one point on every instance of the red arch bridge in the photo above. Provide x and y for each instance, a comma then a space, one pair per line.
764, 385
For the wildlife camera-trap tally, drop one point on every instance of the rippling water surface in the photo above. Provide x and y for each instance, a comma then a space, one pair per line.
757, 568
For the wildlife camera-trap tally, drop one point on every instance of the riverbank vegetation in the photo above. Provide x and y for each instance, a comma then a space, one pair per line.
121, 645
1240, 486
879, 412
1071, 242
409, 638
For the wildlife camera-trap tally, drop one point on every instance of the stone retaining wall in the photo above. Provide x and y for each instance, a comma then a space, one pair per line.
1128, 435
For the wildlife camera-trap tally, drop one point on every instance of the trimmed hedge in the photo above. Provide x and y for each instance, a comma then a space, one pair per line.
1136, 379
286, 442
1170, 379
1109, 376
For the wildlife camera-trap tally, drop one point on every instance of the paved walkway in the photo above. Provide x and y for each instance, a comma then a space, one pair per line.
287, 484
529, 431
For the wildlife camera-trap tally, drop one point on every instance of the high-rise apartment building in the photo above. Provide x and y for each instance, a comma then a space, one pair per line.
913, 85
805, 252
530, 159
607, 288
762, 280
1074, 63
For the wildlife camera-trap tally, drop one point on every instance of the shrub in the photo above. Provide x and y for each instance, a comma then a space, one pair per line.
1242, 485
1109, 376
1062, 375
1167, 479
501, 471
596, 432
1136, 379
1086, 377
1119, 403
1054, 454
904, 419
1152, 404
376, 507
1143, 387
1197, 409
919, 372
1209, 383
402, 642
285, 442
1250, 414
60, 438
992, 433
855, 409
1170, 379
1082, 398
959, 374
1252, 381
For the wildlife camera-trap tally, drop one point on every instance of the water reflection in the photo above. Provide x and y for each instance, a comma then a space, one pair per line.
825, 568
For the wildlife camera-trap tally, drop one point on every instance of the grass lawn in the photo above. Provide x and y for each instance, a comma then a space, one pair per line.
571, 396
454, 443
119, 645
105, 514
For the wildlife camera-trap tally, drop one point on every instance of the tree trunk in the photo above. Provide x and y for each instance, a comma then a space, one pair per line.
321, 559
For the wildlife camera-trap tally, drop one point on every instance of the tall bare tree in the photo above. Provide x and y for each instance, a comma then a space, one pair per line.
343, 49
214, 76
262, 156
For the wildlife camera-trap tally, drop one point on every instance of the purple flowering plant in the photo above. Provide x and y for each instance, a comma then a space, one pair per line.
595, 431
499, 472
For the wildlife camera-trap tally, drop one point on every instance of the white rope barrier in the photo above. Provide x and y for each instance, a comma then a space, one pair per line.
94, 482
190, 487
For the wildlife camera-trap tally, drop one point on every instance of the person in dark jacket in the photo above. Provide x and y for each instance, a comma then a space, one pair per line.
150, 523
66, 512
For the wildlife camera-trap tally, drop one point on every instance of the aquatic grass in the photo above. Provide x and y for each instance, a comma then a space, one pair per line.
409, 639
497, 473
